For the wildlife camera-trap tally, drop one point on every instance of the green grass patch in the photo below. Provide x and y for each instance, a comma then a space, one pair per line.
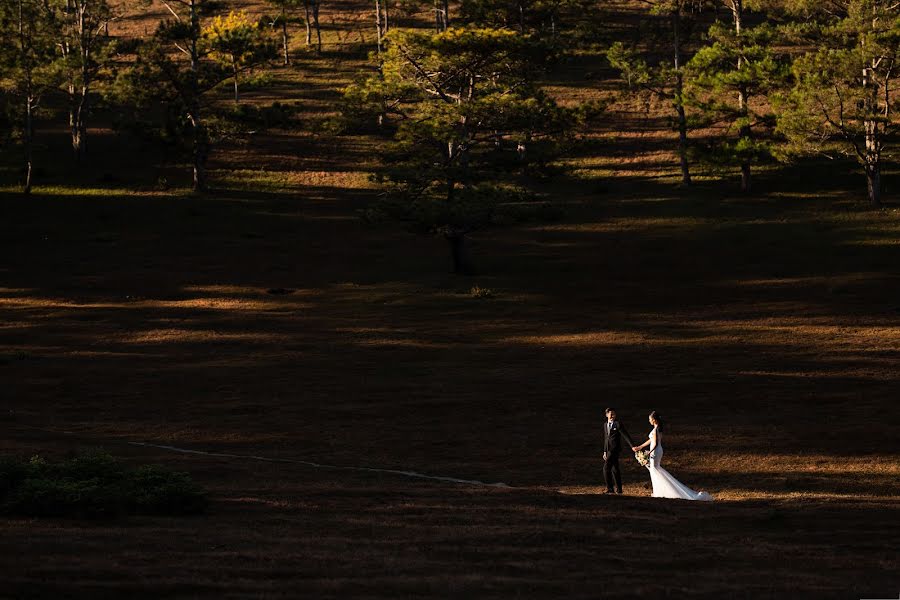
94, 485
259, 180
74, 191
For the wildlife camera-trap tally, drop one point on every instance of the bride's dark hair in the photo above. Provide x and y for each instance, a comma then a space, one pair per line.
655, 416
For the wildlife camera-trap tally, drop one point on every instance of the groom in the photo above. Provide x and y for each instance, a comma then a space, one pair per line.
613, 432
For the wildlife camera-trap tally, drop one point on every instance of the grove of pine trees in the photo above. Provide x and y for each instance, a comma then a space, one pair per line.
458, 95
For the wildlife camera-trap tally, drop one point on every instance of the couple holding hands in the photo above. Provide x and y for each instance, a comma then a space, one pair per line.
664, 484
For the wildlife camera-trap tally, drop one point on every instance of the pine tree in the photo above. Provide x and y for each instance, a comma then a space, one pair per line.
844, 98
664, 79
239, 44
738, 64
286, 9
466, 116
175, 67
32, 28
86, 50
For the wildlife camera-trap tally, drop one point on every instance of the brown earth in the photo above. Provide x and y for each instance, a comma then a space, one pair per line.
266, 319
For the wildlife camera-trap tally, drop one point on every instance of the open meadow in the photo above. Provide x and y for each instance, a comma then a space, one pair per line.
268, 341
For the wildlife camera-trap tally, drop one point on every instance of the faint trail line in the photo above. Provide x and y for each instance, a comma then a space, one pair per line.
295, 461
319, 465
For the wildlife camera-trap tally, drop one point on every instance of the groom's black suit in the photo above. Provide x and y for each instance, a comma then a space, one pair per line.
612, 447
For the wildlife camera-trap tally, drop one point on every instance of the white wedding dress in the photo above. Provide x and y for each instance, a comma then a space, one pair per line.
664, 485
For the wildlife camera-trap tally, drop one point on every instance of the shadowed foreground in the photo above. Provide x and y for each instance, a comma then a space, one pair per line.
278, 325
285, 532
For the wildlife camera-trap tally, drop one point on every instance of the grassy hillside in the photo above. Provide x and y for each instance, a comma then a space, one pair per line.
266, 319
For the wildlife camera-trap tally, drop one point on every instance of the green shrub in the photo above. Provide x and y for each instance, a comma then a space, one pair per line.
94, 485
155, 491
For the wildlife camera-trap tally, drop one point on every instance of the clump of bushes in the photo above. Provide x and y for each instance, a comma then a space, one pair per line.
94, 485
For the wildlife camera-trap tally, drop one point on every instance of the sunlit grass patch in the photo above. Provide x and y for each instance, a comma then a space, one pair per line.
68, 191
278, 181
482, 293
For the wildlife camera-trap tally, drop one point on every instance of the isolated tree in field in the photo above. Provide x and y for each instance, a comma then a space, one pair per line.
738, 64
286, 10
239, 44
30, 30
468, 117
86, 49
666, 78
744, 150
174, 67
844, 98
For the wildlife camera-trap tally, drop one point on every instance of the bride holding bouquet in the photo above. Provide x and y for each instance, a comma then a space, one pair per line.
664, 484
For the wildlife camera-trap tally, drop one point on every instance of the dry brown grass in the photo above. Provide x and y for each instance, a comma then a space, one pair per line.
777, 371
766, 329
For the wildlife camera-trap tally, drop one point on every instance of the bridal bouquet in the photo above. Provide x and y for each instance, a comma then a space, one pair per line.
643, 457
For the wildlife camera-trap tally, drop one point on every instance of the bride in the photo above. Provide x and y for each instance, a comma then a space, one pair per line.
664, 485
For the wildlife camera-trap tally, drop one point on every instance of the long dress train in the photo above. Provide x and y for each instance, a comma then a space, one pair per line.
664, 484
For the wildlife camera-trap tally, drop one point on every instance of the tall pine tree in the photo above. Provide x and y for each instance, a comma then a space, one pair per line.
725, 78
844, 99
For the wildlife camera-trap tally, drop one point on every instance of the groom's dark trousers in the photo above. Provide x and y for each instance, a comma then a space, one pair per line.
612, 447
611, 473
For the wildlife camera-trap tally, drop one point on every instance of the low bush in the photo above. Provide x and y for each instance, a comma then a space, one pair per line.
94, 485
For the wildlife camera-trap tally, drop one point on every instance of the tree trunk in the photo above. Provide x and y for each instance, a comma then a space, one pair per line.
73, 109
442, 14
679, 97
29, 98
200, 153
737, 11
379, 33
308, 23
200, 149
872, 158
315, 11
284, 36
873, 182
79, 127
459, 251
77, 139
446, 14
746, 183
744, 133
195, 54
682, 141
234, 68
28, 140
